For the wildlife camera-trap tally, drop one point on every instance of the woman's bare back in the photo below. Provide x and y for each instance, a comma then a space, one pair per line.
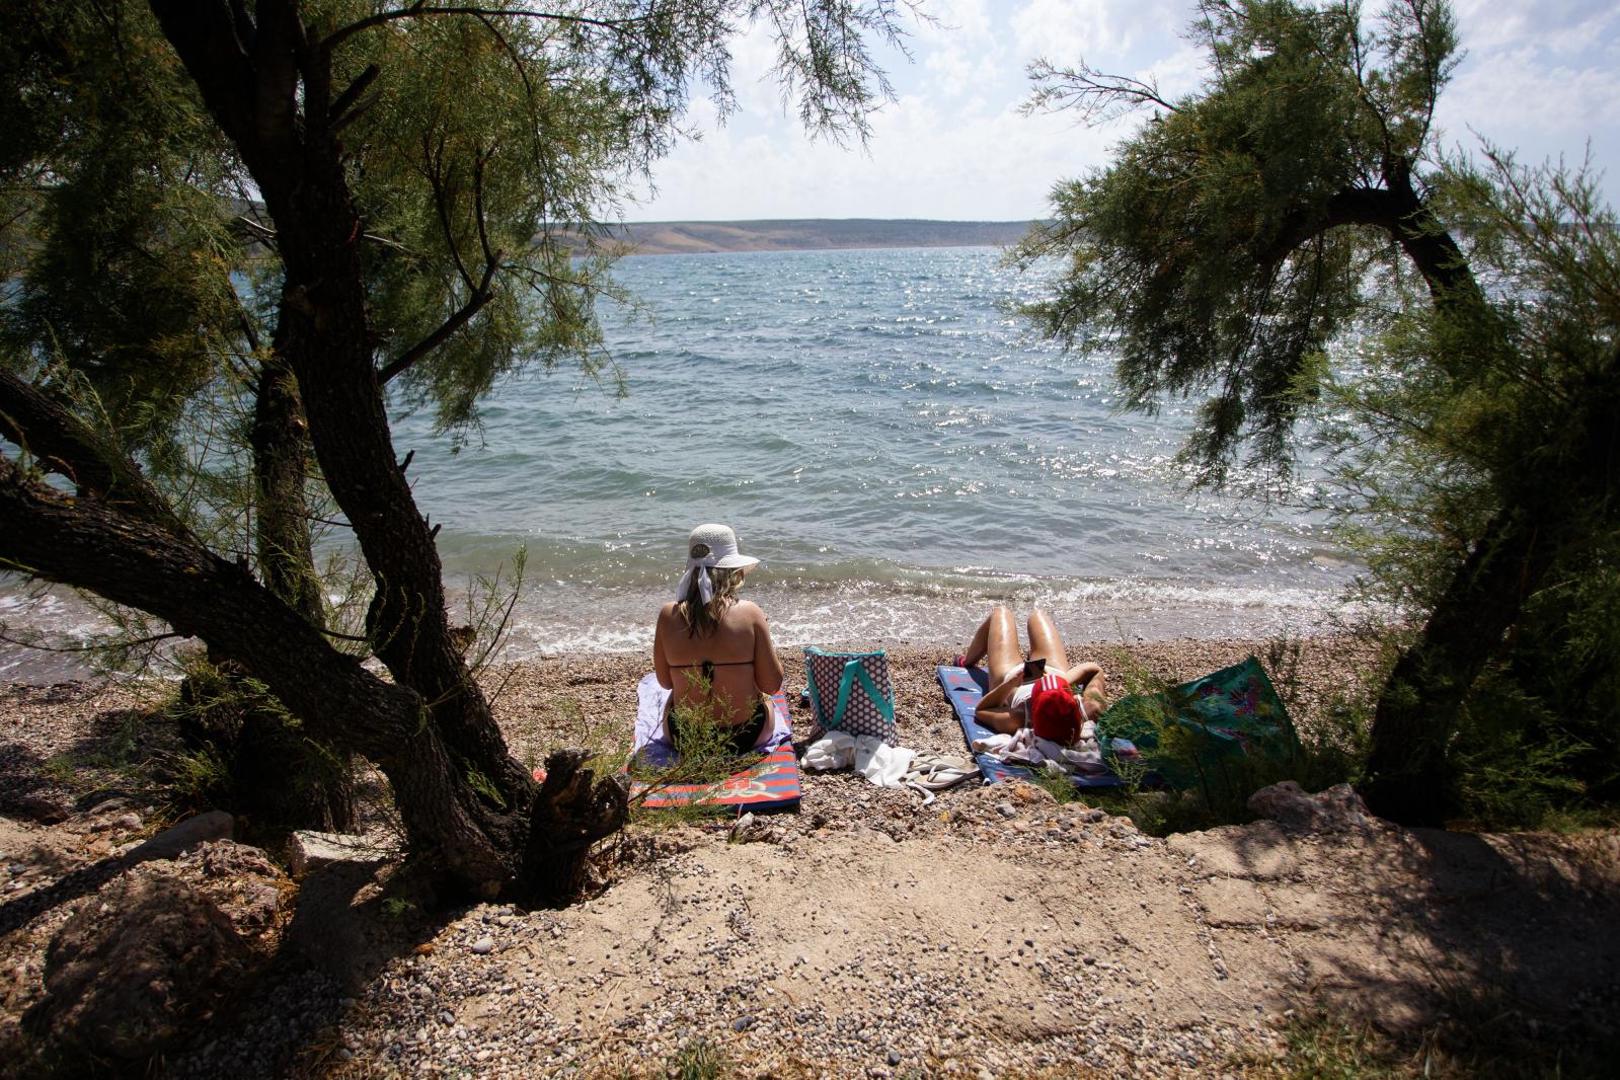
744, 661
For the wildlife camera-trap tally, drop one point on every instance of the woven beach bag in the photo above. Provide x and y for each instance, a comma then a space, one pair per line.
851, 692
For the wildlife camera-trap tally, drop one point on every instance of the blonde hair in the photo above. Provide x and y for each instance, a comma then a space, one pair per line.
701, 618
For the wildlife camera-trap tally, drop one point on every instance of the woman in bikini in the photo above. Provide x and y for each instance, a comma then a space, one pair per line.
1044, 692
714, 650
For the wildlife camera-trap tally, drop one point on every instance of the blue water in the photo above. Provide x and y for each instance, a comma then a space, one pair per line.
898, 448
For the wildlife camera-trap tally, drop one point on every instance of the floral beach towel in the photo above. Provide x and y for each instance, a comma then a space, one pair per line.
1206, 729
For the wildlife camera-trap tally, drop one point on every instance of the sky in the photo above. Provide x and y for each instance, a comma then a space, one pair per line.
1539, 78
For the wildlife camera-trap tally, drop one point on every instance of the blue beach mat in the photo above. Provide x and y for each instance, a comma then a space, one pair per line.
963, 688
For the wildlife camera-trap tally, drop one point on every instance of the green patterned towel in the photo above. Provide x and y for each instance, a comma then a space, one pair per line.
1208, 730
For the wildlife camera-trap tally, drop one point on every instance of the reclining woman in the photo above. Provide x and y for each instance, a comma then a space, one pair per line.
714, 650
1045, 693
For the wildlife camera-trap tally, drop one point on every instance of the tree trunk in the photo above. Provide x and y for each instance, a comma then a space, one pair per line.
1408, 775
281, 777
271, 92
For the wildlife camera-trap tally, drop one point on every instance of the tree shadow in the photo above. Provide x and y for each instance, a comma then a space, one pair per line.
1506, 947
332, 948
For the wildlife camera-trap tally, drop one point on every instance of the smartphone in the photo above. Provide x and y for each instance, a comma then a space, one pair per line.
1034, 669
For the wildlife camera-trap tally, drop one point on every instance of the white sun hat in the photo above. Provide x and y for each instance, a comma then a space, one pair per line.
710, 547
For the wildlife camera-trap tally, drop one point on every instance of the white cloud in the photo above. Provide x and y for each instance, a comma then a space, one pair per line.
923, 161
1105, 33
1538, 78
1562, 26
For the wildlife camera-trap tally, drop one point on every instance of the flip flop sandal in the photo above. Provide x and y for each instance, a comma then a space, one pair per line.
936, 772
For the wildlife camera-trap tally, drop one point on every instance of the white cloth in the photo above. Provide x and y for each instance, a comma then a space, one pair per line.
883, 765
705, 580
1024, 747
887, 766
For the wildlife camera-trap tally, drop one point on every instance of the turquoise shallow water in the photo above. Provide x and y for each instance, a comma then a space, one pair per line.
898, 448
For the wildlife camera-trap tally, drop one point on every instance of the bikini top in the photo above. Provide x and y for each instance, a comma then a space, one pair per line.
707, 666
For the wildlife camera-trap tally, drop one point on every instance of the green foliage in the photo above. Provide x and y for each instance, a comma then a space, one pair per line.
1472, 411
1478, 1032
240, 749
706, 761
485, 787
700, 1059
1208, 253
1188, 778
151, 292
1289, 243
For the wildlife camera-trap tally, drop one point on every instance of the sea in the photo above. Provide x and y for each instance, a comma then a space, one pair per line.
899, 448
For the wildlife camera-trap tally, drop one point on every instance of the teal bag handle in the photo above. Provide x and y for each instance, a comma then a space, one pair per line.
853, 670
856, 670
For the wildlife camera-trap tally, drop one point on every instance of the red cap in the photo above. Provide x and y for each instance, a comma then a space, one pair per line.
1053, 711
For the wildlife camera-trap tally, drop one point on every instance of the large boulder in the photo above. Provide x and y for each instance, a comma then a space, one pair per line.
138, 969
1336, 809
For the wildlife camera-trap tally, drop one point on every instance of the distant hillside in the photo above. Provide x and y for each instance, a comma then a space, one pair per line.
678, 237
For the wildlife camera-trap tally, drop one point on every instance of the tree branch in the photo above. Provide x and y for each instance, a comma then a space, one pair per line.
421, 10
1096, 96
1396, 210
480, 296
64, 445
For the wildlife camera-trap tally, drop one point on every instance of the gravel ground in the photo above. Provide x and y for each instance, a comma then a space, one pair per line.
995, 932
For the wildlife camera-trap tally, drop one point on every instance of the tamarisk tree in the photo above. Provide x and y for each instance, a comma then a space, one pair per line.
1299, 197
290, 206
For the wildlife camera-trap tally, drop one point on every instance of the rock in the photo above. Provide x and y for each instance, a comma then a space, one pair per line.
41, 809
128, 822
484, 946
1023, 791
1337, 809
894, 1057
1006, 809
311, 850
200, 828
742, 1023
242, 882
138, 970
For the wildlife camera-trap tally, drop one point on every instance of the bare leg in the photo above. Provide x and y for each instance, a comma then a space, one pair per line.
996, 639
1045, 643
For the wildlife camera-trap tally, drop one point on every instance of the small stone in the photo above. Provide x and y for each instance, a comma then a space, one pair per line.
894, 1057
447, 1017
742, 1023
484, 946
1006, 809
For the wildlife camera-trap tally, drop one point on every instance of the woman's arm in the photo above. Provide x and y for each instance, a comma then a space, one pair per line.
998, 720
767, 665
1081, 675
660, 660
992, 709
1002, 692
